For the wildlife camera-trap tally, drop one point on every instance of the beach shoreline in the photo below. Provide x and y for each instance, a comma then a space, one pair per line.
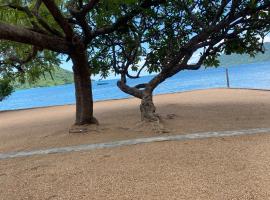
131, 97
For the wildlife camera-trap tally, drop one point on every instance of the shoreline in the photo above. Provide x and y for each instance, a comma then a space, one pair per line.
106, 100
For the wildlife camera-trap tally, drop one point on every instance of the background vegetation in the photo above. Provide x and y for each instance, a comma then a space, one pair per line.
58, 76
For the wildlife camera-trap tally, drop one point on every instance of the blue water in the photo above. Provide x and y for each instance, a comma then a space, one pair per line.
243, 76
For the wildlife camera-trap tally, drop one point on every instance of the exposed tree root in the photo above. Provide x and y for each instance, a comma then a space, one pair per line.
150, 126
154, 125
84, 129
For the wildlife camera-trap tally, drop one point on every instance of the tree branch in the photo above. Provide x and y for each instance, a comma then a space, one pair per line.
59, 18
34, 13
37, 6
91, 4
124, 19
26, 36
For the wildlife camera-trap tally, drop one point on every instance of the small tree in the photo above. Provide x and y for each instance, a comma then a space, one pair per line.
35, 32
168, 37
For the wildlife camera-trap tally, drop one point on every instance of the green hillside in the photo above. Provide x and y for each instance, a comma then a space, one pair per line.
60, 77
236, 59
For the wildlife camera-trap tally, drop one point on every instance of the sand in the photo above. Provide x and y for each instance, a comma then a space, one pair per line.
197, 111
222, 168
235, 168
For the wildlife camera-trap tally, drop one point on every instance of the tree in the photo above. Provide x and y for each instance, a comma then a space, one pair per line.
169, 36
34, 33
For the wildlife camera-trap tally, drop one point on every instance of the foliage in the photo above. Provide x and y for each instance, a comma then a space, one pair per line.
165, 39
28, 63
5, 88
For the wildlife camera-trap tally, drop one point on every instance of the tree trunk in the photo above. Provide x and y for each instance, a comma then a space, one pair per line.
147, 107
83, 89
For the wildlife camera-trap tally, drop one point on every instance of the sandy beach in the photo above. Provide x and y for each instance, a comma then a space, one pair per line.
235, 168
182, 113
220, 168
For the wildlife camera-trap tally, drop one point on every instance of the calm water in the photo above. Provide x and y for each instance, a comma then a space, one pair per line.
247, 76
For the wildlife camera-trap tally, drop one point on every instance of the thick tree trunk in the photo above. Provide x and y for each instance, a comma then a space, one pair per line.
147, 107
83, 89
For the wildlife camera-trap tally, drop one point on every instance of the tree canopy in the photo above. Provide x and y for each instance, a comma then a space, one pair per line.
35, 33
166, 39
101, 35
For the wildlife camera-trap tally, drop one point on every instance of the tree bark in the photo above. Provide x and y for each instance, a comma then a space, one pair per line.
26, 36
83, 89
147, 107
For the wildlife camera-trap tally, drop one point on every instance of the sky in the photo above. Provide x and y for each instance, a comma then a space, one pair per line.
68, 65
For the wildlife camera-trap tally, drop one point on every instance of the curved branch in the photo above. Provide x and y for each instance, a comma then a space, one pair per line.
129, 90
141, 86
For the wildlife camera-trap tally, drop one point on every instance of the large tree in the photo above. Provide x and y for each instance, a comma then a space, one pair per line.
166, 40
35, 33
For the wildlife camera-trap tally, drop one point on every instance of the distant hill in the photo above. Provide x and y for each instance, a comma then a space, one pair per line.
236, 59
60, 77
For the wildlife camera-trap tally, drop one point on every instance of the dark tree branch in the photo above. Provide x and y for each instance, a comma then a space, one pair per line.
220, 11
26, 36
124, 19
193, 17
34, 13
59, 18
80, 17
37, 6
47, 27
127, 89
91, 4
27, 11
138, 73
141, 86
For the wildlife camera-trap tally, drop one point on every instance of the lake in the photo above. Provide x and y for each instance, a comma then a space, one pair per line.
255, 76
